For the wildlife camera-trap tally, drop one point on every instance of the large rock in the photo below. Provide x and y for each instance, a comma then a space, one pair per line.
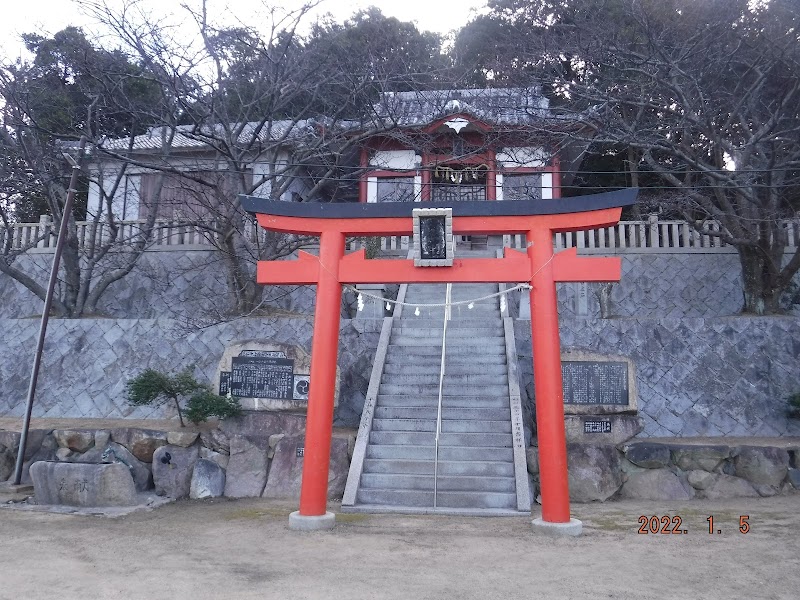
172, 470
10, 439
216, 457
216, 440
656, 484
286, 471
705, 458
141, 442
532, 459
82, 484
594, 472
647, 455
182, 438
46, 451
263, 424
75, 440
794, 478
208, 480
727, 486
762, 466
247, 467
116, 453
700, 480
7, 463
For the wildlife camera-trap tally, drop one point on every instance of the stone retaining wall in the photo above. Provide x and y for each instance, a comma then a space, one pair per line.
88, 361
674, 471
695, 377
180, 283
243, 458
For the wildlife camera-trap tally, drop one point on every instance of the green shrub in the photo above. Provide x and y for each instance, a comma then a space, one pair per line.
154, 388
206, 404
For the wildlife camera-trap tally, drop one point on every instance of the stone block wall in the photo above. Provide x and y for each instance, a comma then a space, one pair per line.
88, 361
695, 377
173, 284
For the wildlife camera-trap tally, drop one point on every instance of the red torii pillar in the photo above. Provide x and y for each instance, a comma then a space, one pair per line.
541, 267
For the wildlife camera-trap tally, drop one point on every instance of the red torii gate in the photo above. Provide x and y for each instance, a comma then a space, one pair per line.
540, 267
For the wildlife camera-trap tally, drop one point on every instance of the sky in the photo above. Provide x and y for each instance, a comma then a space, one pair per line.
50, 16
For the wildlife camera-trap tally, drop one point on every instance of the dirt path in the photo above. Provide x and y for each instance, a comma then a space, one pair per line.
243, 549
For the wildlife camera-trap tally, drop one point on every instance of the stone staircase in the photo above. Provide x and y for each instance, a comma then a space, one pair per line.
393, 466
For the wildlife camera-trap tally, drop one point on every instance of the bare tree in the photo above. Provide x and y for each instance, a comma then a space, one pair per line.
269, 111
69, 89
703, 93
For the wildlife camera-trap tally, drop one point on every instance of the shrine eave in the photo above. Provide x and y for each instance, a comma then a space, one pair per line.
359, 210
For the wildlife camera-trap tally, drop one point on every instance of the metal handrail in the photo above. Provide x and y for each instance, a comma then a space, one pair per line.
447, 299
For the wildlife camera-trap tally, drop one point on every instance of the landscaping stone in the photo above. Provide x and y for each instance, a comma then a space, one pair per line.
184, 439
10, 439
141, 442
794, 478
217, 457
656, 484
727, 486
532, 458
216, 440
75, 440
594, 472
113, 452
208, 480
286, 470
64, 454
647, 455
247, 468
46, 451
273, 443
762, 466
766, 491
705, 458
700, 480
6, 463
172, 470
263, 424
101, 438
82, 484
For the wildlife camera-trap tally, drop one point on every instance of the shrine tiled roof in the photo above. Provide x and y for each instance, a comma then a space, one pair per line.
507, 106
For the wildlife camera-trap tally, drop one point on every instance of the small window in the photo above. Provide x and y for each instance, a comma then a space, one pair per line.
523, 186
395, 189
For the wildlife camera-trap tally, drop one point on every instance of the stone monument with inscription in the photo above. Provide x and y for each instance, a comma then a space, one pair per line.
599, 398
267, 376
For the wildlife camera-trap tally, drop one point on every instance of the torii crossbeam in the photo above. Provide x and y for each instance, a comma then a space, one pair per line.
540, 267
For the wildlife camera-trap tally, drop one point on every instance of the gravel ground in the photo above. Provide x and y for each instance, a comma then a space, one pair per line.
226, 549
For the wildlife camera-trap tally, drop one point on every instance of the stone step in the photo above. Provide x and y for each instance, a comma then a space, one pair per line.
473, 353
446, 453
453, 358
433, 368
496, 390
473, 468
418, 498
477, 345
416, 438
437, 323
457, 483
453, 333
449, 426
487, 414
463, 379
432, 401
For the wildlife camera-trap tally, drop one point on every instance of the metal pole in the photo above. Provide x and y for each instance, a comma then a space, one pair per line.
48, 303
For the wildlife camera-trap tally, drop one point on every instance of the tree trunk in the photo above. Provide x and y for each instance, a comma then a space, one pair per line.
760, 285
